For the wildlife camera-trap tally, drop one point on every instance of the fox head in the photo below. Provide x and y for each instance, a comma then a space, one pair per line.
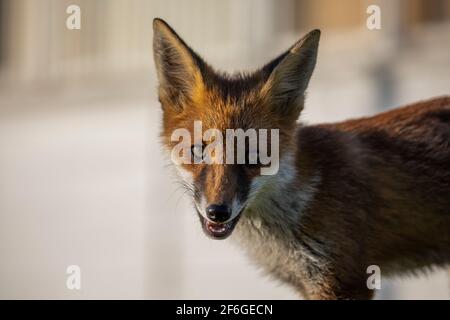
191, 92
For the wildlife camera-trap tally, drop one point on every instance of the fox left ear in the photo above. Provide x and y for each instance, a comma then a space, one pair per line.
177, 66
286, 85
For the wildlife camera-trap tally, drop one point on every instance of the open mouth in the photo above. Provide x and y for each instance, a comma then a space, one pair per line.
218, 230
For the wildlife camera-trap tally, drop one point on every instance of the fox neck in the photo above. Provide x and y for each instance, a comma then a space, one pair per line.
276, 202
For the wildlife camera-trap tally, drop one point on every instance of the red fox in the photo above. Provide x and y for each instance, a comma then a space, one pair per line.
346, 196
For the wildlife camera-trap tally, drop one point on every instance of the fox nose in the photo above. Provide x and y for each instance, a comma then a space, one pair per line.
218, 212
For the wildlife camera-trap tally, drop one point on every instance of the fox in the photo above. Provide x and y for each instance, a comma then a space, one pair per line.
373, 191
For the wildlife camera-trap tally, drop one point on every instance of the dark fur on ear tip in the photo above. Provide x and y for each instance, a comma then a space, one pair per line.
309, 40
156, 22
159, 23
315, 32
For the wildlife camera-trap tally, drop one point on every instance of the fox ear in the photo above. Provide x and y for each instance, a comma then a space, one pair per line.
286, 85
177, 66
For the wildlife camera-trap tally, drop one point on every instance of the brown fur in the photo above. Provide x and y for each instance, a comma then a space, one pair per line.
384, 197
384, 192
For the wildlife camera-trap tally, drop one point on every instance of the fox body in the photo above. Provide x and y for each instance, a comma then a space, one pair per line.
371, 191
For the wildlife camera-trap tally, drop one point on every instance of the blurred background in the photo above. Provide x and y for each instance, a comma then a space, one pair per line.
82, 178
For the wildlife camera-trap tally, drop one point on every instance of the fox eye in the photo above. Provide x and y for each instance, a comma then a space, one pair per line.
197, 153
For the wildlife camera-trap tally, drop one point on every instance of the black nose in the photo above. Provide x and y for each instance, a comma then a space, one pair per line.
218, 213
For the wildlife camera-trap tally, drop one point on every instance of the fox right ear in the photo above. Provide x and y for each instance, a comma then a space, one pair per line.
177, 66
290, 75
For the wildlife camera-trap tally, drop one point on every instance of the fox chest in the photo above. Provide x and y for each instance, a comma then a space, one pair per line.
277, 254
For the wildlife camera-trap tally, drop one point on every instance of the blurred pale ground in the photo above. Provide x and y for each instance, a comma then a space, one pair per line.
82, 178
